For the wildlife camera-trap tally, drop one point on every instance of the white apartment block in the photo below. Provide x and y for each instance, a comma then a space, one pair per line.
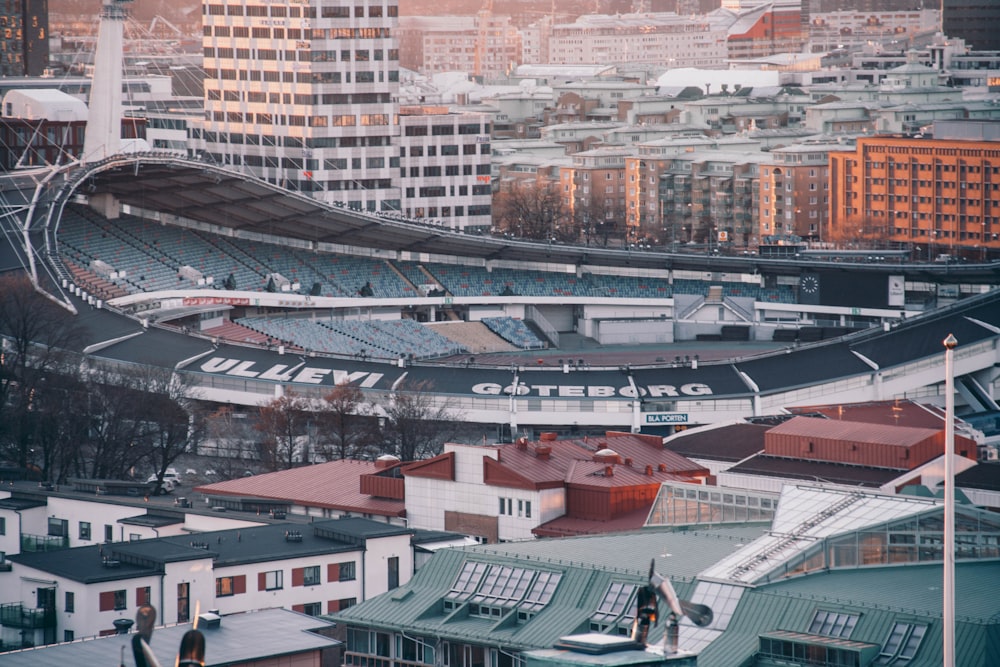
484, 45
663, 38
303, 94
444, 167
316, 568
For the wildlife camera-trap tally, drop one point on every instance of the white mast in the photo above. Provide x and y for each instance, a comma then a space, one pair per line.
103, 136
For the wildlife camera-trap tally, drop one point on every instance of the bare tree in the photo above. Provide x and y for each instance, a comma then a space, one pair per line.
232, 438
173, 422
416, 425
344, 423
35, 333
533, 211
282, 423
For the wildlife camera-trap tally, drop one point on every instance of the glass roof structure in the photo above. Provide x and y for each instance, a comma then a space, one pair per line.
818, 528
682, 504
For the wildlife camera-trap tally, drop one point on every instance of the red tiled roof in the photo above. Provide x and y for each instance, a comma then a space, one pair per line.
894, 413
333, 485
566, 526
861, 432
592, 473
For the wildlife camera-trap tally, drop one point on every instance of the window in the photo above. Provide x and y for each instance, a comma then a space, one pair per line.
311, 577
70, 602
109, 600
901, 645
3, 525
312, 608
524, 508
58, 527
224, 587
109, 533
393, 573
341, 572
183, 602
506, 507
68, 635
833, 624
270, 581
142, 596
84, 530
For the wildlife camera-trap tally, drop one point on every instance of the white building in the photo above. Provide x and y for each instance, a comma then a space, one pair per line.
445, 167
303, 95
321, 567
663, 38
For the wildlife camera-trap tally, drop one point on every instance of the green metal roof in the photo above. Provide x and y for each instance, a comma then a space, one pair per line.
588, 566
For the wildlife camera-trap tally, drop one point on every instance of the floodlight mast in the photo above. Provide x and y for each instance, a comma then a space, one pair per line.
646, 611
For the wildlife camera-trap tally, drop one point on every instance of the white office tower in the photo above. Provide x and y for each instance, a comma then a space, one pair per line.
302, 93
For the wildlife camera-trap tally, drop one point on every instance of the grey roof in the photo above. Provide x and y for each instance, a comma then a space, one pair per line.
253, 544
239, 639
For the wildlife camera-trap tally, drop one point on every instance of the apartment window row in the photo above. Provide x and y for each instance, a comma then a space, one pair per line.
289, 142
507, 507
288, 55
297, 120
116, 600
434, 211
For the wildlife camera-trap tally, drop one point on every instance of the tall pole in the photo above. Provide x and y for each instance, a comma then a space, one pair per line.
948, 650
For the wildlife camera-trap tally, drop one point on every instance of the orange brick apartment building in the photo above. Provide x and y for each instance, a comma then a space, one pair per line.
940, 194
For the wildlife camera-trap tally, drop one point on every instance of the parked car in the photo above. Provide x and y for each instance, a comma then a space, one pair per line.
170, 475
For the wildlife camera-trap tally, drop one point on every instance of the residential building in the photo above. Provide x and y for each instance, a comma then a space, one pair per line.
444, 167
593, 189
314, 569
829, 575
665, 38
852, 29
941, 193
794, 193
485, 45
550, 487
255, 639
304, 96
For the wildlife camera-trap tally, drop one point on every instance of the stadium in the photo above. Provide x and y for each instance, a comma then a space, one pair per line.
251, 291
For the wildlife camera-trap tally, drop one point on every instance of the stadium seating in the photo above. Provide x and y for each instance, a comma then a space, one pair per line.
514, 331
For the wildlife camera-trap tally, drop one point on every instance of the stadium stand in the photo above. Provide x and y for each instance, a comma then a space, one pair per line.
386, 339
473, 336
156, 257
514, 331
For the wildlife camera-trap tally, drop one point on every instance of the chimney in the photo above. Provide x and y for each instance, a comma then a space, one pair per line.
649, 470
662, 467
547, 437
543, 452
386, 461
628, 462
521, 443
609, 471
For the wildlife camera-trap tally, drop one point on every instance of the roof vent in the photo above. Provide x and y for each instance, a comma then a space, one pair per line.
293, 535
521, 443
386, 461
209, 619
606, 456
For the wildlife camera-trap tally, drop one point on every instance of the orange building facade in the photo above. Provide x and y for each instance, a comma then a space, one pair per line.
941, 196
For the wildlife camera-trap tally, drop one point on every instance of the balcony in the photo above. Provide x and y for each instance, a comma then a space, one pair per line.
43, 542
16, 615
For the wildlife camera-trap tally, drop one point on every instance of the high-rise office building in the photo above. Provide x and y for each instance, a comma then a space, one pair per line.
975, 21
24, 37
304, 94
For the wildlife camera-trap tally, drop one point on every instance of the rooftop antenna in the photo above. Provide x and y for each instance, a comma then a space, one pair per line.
103, 136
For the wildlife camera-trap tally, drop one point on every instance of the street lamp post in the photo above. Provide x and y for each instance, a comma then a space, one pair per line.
948, 616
